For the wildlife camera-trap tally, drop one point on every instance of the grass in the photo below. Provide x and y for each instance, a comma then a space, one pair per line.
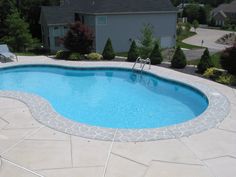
122, 54
187, 46
25, 54
215, 59
183, 36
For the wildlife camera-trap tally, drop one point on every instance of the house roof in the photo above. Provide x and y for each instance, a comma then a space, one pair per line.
118, 6
65, 12
226, 8
57, 14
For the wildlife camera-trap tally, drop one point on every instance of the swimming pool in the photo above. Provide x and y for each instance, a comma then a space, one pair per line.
108, 97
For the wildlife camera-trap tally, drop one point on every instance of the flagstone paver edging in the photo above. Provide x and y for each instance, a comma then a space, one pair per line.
43, 112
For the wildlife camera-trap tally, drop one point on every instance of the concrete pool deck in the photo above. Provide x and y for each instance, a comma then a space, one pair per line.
30, 149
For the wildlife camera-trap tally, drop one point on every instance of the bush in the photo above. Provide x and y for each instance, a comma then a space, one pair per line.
213, 73
220, 76
94, 56
108, 52
79, 38
74, 56
228, 60
146, 41
133, 53
179, 59
156, 57
227, 79
205, 62
61, 54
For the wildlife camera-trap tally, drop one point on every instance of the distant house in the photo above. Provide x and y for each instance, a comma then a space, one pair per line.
121, 21
224, 12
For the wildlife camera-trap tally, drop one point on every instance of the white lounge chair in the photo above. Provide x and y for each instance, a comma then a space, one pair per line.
6, 54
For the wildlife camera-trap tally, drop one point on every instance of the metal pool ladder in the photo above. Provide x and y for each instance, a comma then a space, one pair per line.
142, 62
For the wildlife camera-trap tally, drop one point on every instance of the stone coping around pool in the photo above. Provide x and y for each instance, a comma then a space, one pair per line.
43, 112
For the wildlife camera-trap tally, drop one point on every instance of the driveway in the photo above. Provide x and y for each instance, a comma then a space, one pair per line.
209, 36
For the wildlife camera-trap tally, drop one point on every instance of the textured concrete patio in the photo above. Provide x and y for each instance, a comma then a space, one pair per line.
30, 149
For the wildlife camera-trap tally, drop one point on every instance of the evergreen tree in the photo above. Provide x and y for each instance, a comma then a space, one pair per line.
195, 24
18, 36
156, 56
6, 6
133, 53
205, 62
108, 52
147, 41
179, 59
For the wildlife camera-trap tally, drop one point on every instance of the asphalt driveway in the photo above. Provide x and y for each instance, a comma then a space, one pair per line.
209, 36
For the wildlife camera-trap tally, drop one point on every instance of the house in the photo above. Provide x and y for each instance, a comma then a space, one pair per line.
122, 21
224, 12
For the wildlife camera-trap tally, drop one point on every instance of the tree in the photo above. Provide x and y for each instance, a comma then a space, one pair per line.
228, 59
108, 52
147, 41
179, 59
6, 6
18, 36
31, 9
202, 15
191, 12
195, 25
133, 53
188, 26
79, 38
205, 62
156, 56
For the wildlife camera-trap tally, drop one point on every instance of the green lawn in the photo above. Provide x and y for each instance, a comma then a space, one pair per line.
215, 59
187, 46
25, 54
183, 36
122, 54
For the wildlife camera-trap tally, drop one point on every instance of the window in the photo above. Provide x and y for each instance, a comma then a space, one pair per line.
101, 20
55, 28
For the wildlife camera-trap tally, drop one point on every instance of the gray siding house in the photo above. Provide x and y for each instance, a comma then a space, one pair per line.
122, 21
224, 12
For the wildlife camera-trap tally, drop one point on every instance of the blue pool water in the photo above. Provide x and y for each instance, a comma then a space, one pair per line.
108, 97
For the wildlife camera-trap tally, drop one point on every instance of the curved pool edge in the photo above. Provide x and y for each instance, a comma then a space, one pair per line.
43, 112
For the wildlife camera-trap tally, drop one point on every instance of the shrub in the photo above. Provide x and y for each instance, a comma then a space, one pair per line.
228, 60
205, 62
179, 59
133, 53
227, 79
74, 56
108, 52
213, 73
146, 41
61, 54
94, 56
79, 38
156, 57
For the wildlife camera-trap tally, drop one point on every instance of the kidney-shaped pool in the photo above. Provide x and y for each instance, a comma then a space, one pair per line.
108, 97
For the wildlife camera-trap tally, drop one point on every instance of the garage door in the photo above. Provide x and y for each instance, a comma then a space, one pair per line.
166, 42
